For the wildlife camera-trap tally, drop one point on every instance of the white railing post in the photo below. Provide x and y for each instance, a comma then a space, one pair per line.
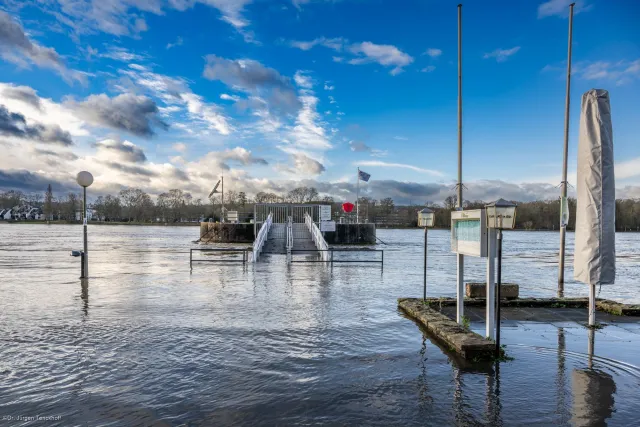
316, 236
258, 243
289, 232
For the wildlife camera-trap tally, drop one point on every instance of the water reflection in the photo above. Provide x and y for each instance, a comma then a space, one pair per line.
274, 344
593, 391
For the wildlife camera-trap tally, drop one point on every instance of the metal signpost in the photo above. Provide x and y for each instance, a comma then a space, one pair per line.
425, 219
469, 236
501, 214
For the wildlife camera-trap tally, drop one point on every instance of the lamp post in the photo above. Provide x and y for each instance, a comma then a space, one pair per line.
85, 179
501, 215
425, 219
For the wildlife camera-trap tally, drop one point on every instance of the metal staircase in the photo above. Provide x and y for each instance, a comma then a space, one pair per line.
290, 237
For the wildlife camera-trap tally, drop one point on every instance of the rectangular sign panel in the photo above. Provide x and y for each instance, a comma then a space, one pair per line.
327, 226
325, 212
469, 232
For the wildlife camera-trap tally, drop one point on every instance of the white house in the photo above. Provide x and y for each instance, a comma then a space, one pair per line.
90, 214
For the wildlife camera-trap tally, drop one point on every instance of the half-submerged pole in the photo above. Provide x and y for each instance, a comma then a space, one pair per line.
563, 197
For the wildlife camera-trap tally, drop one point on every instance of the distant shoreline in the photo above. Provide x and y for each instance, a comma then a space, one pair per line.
160, 224
197, 224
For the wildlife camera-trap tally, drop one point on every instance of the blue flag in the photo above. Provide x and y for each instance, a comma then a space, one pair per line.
363, 176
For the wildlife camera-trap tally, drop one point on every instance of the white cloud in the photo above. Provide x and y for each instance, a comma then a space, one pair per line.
176, 93
179, 41
255, 78
43, 110
328, 86
121, 54
16, 47
428, 69
433, 52
502, 55
628, 169
303, 80
620, 72
377, 163
561, 8
363, 53
179, 147
124, 17
309, 131
227, 97
386, 55
336, 43
400, 138
303, 166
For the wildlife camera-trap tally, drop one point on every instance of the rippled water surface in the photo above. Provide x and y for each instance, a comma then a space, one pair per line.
145, 341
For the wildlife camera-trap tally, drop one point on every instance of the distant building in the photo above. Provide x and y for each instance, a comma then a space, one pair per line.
90, 214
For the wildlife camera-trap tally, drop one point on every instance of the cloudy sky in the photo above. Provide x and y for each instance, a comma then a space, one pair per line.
162, 94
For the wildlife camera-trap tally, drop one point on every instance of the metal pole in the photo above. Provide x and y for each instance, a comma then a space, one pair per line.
424, 293
190, 258
460, 257
592, 305
222, 207
499, 284
82, 265
84, 222
563, 229
358, 197
459, 105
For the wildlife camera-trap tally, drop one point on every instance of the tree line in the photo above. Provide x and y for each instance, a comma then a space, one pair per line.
135, 205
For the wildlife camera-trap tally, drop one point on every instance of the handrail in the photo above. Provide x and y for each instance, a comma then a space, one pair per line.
289, 232
316, 235
261, 238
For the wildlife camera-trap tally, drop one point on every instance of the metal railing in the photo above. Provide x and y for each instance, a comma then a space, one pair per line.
330, 258
243, 251
289, 236
317, 237
261, 238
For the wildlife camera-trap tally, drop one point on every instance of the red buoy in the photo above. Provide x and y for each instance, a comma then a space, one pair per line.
348, 207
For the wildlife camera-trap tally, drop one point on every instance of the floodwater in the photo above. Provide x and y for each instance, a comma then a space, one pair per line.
146, 341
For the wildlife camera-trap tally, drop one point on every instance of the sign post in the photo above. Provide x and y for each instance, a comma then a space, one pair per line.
468, 237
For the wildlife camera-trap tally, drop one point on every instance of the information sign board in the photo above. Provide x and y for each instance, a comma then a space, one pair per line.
327, 226
325, 212
469, 232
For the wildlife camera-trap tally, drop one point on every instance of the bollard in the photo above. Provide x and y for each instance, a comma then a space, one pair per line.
82, 265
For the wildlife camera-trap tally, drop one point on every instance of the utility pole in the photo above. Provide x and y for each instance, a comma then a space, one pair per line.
563, 197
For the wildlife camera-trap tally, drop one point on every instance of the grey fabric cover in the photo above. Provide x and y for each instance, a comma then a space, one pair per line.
595, 252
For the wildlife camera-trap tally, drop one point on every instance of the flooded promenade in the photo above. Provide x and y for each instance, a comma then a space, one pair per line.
147, 341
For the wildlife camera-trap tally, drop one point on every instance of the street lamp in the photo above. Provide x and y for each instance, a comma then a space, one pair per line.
501, 215
425, 219
85, 179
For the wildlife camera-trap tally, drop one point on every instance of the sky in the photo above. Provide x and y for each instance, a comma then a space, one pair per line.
162, 94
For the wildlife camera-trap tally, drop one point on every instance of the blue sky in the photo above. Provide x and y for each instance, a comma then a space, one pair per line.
168, 94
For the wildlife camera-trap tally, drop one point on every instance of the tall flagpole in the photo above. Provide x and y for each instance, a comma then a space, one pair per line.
460, 257
563, 227
358, 196
222, 201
